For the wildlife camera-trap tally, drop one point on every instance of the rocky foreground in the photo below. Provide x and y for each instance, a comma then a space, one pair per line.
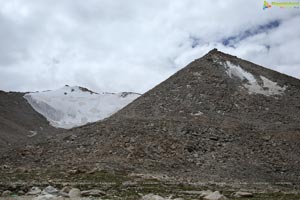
52, 193
68, 192
94, 184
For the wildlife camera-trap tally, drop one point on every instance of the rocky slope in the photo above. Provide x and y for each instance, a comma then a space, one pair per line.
26, 118
19, 123
220, 119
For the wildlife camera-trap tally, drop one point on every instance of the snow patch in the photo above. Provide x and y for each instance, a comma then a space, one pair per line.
69, 107
33, 133
237, 71
273, 88
267, 87
199, 113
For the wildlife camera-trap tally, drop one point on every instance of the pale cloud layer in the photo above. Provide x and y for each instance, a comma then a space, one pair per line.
132, 45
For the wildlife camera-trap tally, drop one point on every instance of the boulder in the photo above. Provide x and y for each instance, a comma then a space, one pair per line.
21, 193
74, 193
50, 190
47, 197
34, 191
152, 197
241, 194
205, 193
6, 193
192, 192
215, 196
66, 189
129, 184
63, 194
92, 193
201, 193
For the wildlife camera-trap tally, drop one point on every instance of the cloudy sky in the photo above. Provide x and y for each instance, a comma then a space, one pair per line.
132, 45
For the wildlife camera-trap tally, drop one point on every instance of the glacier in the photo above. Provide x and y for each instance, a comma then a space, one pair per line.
74, 106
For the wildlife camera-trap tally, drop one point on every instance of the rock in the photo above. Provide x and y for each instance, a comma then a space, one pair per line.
240, 194
63, 194
6, 193
200, 193
21, 193
205, 193
93, 171
4, 167
50, 190
34, 191
92, 193
47, 197
74, 193
76, 171
22, 170
129, 184
66, 189
152, 197
215, 196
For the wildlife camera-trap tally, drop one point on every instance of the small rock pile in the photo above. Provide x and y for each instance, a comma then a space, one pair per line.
52, 193
206, 195
67, 192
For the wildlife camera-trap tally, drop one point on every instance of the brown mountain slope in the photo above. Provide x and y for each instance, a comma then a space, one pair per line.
220, 118
19, 123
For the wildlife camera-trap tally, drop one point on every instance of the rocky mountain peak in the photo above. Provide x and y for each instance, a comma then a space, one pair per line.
218, 86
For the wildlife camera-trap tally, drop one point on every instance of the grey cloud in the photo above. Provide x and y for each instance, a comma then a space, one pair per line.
124, 45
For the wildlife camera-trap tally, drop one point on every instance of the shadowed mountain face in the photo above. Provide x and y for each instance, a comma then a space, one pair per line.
19, 123
218, 119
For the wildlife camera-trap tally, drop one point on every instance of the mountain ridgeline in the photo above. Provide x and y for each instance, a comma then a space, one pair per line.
220, 118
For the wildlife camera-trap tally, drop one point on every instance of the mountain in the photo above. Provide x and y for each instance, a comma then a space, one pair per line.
19, 123
219, 119
69, 107
27, 118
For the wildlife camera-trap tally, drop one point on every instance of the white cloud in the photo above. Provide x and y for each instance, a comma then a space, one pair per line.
124, 45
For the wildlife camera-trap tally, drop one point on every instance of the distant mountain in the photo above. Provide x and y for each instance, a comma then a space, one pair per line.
69, 107
219, 119
26, 118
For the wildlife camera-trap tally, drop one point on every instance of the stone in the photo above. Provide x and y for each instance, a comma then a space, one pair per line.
34, 191
93, 171
215, 196
6, 193
74, 193
66, 189
50, 190
200, 193
205, 193
47, 197
63, 194
152, 197
241, 194
129, 184
21, 193
92, 193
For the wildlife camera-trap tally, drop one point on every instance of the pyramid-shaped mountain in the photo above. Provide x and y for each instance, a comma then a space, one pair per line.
219, 87
220, 118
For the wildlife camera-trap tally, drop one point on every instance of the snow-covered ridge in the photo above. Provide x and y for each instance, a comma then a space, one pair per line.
267, 87
69, 107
